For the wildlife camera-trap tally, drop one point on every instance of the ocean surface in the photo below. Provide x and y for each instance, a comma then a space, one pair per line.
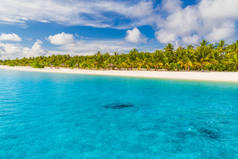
63, 116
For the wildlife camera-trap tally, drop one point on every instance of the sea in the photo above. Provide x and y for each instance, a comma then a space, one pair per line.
68, 116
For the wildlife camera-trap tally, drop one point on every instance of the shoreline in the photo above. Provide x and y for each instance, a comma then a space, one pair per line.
192, 76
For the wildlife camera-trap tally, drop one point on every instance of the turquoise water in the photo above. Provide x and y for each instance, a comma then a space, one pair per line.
54, 116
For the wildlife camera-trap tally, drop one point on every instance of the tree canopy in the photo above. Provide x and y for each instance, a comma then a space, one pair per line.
204, 57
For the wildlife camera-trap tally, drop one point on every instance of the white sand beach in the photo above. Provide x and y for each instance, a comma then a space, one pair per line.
200, 76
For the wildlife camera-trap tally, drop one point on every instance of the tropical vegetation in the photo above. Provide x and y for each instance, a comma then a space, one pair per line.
204, 57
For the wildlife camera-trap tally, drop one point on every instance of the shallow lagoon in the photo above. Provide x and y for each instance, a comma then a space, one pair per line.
53, 116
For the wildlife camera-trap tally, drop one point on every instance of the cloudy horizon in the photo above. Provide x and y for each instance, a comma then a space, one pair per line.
81, 27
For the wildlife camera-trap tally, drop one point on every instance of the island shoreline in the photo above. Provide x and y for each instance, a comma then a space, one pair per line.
172, 75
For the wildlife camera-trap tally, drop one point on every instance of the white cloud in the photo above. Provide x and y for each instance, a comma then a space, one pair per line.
191, 40
8, 50
83, 12
135, 36
92, 46
171, 6
221, 9
226, 31
178, 25
165, 37
89, 47
68, 44
76, 47
10, 37
35, 50
213, 20
12, 51
61, 39
207, 19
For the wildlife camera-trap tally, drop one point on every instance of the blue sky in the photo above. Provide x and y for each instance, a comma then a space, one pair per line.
80, 27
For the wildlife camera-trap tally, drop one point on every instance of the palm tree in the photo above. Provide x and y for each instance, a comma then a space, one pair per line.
203, 43
219, 57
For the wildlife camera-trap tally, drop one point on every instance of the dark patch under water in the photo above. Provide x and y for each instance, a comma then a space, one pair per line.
118, 106
203, 132
209, 133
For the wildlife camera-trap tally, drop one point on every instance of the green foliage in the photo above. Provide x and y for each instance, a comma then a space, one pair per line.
205, 57
37, 65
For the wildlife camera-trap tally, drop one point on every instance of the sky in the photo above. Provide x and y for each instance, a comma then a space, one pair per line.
30, 28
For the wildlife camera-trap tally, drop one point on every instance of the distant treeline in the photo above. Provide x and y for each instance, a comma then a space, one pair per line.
206, 56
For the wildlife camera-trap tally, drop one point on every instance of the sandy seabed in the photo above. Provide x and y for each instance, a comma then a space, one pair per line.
200, 76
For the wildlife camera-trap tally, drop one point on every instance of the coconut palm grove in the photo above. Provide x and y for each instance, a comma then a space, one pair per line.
205, 57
